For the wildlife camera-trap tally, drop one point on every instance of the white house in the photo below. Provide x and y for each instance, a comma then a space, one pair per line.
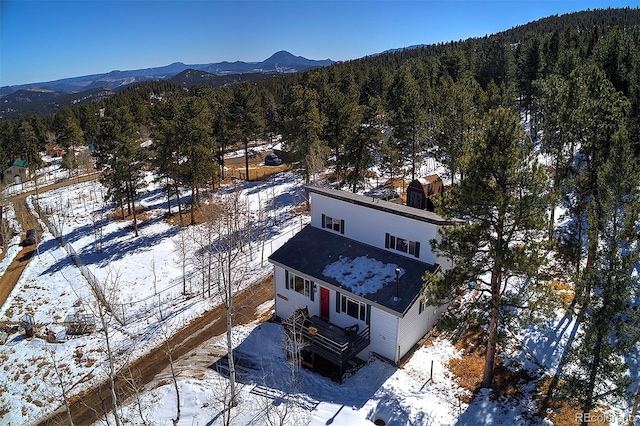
357, 269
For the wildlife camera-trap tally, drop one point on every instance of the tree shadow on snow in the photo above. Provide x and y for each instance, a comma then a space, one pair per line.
261, 362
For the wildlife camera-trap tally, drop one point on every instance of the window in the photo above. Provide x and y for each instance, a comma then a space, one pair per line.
403, 245
353, 308
300, 284
333, 223
423, 305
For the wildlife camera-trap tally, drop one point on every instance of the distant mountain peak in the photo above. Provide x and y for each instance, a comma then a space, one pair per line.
280, 62
285, 58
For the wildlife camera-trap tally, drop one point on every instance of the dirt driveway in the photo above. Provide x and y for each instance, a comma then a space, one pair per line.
9, 279
88, 407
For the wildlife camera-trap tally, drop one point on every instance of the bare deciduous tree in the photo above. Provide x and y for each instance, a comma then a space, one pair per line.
56, 379
229, 248
105, 299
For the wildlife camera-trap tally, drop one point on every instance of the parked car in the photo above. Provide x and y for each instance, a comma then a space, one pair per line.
272, 160
386, 194
31, 237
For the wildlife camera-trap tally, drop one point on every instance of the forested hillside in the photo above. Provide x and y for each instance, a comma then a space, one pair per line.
574, 79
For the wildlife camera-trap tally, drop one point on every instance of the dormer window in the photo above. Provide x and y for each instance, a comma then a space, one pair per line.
332, 223
402, 244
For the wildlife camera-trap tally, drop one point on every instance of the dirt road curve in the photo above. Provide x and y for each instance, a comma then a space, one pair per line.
9, 279
87, 408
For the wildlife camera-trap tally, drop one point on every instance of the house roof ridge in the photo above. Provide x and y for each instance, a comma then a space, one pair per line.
377, 204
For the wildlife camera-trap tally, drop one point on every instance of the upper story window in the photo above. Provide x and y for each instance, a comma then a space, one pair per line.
301, 285
332, 223
402, 244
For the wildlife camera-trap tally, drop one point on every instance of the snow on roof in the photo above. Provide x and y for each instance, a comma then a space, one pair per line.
344, 263
362, 275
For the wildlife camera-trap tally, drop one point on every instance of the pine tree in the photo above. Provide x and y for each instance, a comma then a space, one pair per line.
456, 114
600, 371
197, 146
361, 150
502, 203
555, 107
246, 118
302, 128
596, 116
408, 114
120, 157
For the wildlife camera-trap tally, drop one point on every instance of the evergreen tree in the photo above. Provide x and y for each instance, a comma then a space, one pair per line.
456, 114
555, 106
597, 356
362, 150
194, 138
29, 142
167, 159
246, 117
408, 115
596, 116
302, 129
502, 203
68, 134
342, 111
120, 157
528, 70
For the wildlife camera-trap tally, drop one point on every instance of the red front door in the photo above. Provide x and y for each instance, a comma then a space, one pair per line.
324, 302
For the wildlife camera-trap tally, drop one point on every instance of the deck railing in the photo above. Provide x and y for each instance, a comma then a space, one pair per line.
320, 342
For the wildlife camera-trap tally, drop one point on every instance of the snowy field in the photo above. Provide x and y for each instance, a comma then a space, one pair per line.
146, 276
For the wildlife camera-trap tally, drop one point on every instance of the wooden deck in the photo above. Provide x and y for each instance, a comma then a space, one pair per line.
335, 344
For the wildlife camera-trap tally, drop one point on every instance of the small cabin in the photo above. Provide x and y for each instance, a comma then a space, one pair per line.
17, 172
54, 151
420, 190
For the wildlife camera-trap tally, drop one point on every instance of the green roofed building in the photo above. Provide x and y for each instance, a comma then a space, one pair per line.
17, 172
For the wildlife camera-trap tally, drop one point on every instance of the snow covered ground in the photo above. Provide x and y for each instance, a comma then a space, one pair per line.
147, 273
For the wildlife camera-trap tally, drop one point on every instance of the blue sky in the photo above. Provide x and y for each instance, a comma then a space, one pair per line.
48, 40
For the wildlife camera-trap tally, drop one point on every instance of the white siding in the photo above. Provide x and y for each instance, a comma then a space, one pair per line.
288, 300
384, 334
415, 325
370, 225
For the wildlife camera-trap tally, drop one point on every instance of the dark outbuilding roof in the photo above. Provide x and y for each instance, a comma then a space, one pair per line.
312, 249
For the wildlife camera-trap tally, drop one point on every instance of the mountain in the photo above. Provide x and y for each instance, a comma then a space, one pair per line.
38, 101
281, 62
192, 77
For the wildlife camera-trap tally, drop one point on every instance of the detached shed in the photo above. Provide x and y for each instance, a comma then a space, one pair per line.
17, 172
419, 191
54, 151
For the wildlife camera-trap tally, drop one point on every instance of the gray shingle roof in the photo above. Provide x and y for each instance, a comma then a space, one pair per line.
312, 249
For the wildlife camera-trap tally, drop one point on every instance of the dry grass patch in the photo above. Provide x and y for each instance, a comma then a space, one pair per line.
141, 214
257, 172
564, 291
469, 368
207, 211
468, 371
559, 411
